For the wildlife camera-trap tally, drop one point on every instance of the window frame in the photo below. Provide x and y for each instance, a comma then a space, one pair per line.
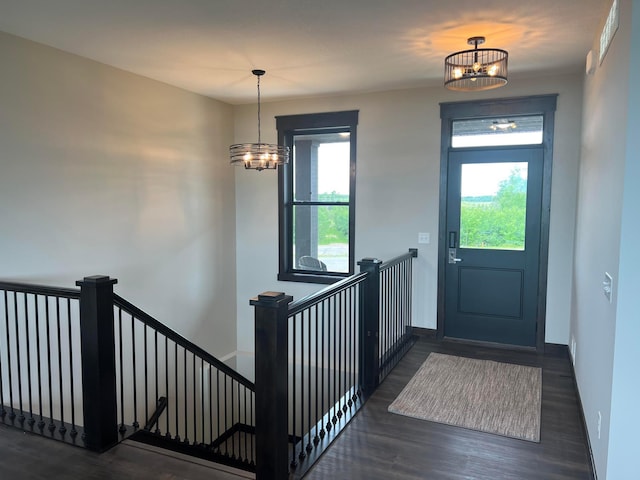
288, 127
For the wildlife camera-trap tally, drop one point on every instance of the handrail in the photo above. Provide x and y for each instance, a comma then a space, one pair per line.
317, 297
412, 253
180, 340
40, 289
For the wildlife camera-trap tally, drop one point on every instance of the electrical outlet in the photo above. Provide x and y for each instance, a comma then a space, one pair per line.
599, 423
424, 238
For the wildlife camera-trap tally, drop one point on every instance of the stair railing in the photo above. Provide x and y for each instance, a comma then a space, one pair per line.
89, 368
40, 364
319, 358
173, 394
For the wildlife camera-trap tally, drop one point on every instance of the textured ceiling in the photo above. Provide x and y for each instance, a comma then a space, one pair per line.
307, 47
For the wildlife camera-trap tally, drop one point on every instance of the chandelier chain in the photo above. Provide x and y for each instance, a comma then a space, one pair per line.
259, 139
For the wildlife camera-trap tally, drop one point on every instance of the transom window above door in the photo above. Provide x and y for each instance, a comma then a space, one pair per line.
497, 131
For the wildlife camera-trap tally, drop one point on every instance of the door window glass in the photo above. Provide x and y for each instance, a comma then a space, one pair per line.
493, 205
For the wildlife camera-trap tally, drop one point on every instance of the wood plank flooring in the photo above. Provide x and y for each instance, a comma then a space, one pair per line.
24, 456
377, 444
381, 445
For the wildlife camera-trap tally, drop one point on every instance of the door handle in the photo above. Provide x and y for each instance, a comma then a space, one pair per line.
452, 256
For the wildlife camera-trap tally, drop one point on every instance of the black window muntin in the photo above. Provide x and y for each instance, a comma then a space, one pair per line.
309, 124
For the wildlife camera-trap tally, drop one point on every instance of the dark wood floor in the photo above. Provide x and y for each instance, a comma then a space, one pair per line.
381, 445
377, 444
24, 456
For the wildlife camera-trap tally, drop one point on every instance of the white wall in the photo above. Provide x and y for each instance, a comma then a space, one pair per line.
606, 240
398, 172
106, 172
625, 388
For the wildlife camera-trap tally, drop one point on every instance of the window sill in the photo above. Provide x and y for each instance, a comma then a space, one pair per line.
312, 277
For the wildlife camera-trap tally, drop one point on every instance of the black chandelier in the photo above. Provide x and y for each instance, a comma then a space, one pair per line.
477, 69
258, 156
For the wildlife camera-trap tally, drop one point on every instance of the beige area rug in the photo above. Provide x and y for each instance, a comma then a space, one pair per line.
482, 395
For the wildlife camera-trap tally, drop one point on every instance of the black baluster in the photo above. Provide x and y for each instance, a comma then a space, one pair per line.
301, 455
210, 408
204, 435
293, 395
235, 418
123, 428
218, 422
175, 351
309, 446
350, 345
318, 418
74, 431
349, 365
244, 422
252, 454
155, 374
2, 410
62, 428
136, 424
146, 373
186, 399
334, 365
388, 320
397, 291
195, 410
345, 324
341, 342
12, 414
354, 340
30, 421
226, 413
166, 383
52, 426
322, 367
18, 357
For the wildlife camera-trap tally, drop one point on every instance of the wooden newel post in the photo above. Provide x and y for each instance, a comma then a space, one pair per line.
271, 370
98, 362
369, 325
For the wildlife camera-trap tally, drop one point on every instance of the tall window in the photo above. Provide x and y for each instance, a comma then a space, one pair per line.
317, 196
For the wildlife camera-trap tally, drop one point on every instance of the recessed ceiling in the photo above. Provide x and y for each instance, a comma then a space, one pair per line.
307, 48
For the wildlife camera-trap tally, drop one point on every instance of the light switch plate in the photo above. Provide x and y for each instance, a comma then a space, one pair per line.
424, 237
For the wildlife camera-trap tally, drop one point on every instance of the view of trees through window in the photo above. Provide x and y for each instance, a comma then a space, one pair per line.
333, 220
493, 206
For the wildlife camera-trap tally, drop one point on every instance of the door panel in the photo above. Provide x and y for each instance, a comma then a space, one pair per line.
493, 225
501, 294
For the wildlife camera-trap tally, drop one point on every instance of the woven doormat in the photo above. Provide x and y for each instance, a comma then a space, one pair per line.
482, 395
